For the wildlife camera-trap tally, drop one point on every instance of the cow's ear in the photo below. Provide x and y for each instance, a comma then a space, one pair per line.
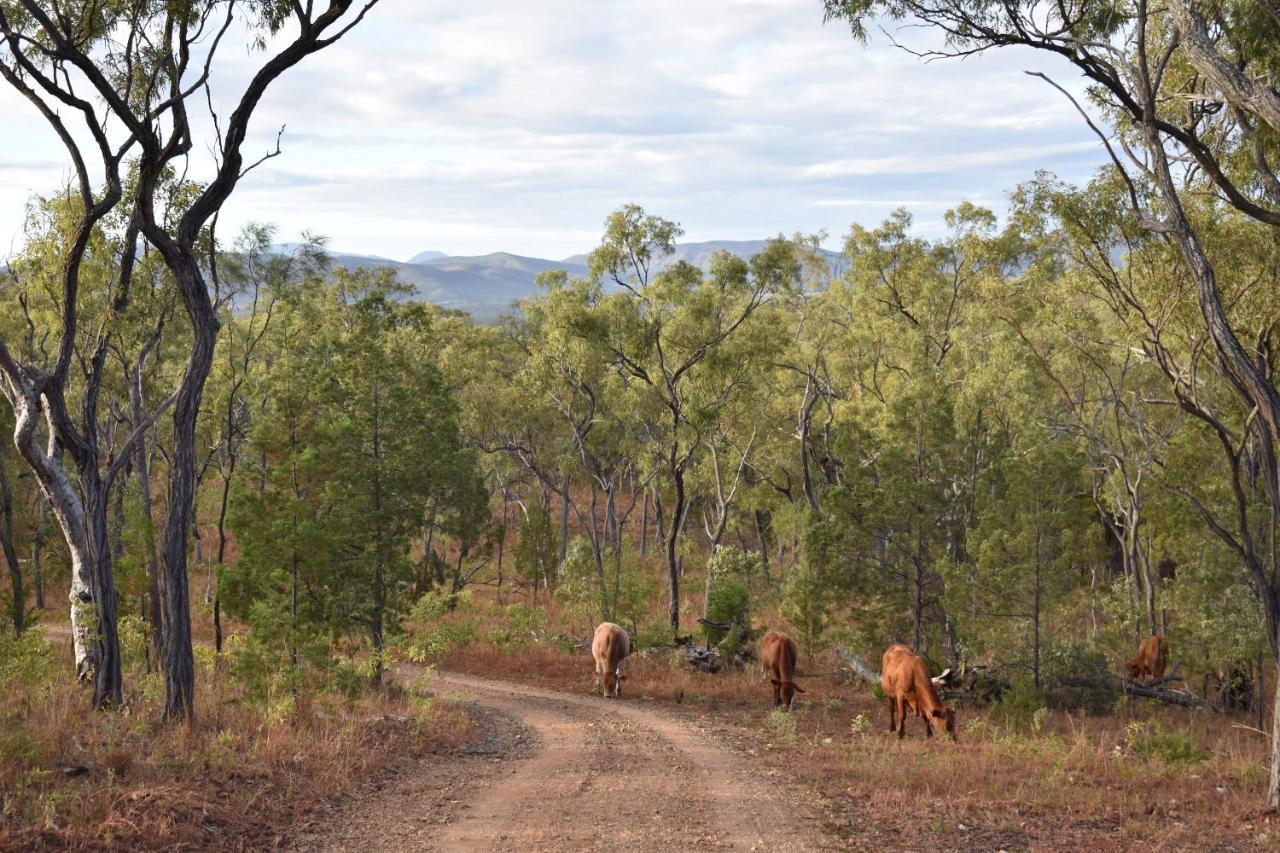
622, 678
797, 688
937, 712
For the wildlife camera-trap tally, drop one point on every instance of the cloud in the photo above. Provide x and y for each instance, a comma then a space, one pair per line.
518, 126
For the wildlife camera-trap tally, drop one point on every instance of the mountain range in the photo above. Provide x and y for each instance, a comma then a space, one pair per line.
485, 286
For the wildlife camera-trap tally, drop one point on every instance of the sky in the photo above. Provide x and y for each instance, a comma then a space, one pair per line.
476, 127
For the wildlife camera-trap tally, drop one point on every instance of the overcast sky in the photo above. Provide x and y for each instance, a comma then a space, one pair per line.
493, 125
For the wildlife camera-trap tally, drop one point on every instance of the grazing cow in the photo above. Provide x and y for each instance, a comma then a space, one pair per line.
1153, 657
610, 646
778, 656
906, 683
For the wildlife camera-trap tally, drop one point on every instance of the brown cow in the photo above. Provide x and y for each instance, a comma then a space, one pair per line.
1153, 657
610, 646
906, 683
778, 655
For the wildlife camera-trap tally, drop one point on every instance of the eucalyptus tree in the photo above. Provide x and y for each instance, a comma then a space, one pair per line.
127, 80
683, 339
1189, 116
46, 307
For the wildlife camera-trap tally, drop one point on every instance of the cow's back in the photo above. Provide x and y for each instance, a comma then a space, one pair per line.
778, 655
896, 669
610, 645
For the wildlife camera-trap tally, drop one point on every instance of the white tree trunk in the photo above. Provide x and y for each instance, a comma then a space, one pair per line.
69, 511
1273, 784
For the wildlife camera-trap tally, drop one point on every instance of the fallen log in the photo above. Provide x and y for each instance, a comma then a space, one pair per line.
857, 664
1153, 689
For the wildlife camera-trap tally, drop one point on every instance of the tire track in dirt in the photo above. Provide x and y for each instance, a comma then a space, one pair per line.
602, 775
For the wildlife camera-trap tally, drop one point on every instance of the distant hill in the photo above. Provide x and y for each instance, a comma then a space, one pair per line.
485, 286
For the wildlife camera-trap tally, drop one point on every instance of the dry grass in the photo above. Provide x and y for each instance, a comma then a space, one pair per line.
1077, 782
237, 778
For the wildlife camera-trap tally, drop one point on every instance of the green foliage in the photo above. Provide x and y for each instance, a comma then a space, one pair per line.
361, 450
729, 599
538, 546
806, 591
1172, 746
1018, 706
577, 587
442, 620
523, 625
26, 661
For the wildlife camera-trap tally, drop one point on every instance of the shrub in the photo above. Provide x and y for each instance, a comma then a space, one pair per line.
729, 599
1018, 705
1074, 678
442, 620
523, 625
1173, 746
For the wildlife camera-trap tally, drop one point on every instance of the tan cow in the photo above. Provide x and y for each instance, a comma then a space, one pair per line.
906, 683
1153, 657
610, 646
778, 656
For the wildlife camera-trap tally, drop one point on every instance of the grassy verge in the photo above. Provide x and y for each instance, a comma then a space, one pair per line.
245, 771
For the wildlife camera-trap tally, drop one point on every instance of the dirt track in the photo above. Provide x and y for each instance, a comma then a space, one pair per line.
558, 772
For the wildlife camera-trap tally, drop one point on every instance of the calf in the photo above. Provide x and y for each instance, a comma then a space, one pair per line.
778, 656
906, 683
610, 646
1153, 657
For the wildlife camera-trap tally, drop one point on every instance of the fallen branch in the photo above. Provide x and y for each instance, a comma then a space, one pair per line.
857, 664
1153, 689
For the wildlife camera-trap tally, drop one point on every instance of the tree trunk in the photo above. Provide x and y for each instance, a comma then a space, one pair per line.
644, 527
37, 545
142, 469
673, 539
179, 664
1273, 783
564, 518
10, 552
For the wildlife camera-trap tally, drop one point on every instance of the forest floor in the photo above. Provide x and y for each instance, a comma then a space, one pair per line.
562, 772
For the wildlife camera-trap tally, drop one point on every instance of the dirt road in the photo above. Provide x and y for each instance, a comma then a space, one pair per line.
557, 772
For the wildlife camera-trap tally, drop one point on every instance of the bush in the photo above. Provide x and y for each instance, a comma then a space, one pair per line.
1173, 746
523, 625
1066, 666
442, 621
730, 601
1019, 705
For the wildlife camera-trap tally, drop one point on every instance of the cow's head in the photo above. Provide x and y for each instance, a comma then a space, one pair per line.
948, 717
613, 683
789, 690
1133, 668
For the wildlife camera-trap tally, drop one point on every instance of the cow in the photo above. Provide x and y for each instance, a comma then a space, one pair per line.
778, 657
906, 684
1153, 657
610, 646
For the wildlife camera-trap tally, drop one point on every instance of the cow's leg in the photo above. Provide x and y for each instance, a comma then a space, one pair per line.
893, 716
902, 718
617, 682
777, 692
598, 677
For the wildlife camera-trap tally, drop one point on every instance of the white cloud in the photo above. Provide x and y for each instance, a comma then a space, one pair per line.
509, 125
